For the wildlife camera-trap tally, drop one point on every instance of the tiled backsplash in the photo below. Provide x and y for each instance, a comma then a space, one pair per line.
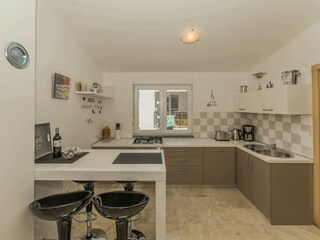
206, 123
290, 132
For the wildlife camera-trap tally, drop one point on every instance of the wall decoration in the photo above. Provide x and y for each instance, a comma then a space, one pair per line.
212, 102
89, 120
61, 86
42, 140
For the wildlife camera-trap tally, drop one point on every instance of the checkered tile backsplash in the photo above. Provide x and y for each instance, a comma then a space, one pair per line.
206, 123
290, 132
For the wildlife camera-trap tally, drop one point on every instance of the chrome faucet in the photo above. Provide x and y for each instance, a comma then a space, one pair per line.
273, 146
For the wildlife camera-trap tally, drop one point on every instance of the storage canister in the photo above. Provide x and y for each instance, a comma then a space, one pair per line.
106, 133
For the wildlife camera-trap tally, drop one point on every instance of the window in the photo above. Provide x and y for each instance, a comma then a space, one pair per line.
162, 109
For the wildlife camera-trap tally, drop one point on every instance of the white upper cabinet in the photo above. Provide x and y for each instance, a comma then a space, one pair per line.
286, 99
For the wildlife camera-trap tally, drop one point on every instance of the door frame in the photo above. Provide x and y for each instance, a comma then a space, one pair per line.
316, 141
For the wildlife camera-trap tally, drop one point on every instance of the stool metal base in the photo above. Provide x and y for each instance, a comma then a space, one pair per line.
97, 234
137, 235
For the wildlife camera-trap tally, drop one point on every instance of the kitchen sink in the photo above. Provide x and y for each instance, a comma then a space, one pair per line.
269, 151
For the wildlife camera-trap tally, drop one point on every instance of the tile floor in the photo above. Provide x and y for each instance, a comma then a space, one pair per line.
205, 213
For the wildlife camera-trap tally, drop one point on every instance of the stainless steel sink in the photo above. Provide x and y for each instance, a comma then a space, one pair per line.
271, 151
255, 147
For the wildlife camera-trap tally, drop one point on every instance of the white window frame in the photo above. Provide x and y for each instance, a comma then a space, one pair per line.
163, 110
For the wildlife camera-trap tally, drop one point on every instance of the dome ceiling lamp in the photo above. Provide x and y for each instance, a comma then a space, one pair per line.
190, 36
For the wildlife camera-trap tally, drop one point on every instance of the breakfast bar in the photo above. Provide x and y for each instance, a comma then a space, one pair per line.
98, 165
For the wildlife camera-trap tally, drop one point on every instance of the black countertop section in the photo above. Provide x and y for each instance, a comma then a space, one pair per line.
138, 158
49, 159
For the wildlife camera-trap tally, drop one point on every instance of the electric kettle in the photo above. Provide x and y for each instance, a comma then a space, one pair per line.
236, 134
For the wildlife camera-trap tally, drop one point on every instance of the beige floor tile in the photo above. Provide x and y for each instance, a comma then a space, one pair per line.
252, 232
189, 191
198, 202
228, 197
172, 215
173, 232
203, 212
298, 232
231, 215
228, 232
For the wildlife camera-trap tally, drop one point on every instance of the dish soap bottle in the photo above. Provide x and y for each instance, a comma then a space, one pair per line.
57, 144
118, 131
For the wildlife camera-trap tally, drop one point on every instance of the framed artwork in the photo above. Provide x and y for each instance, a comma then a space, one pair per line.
61, 86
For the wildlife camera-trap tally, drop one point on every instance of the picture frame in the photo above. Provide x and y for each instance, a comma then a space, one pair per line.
61, 86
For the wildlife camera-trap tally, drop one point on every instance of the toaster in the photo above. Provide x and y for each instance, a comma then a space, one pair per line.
221, 136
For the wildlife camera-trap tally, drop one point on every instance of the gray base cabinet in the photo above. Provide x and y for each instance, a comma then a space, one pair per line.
243, 175
212, 166
219, 166
260, 185
184, 165
283, 192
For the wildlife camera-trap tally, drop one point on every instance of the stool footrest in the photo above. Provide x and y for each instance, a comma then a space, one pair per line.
84, 220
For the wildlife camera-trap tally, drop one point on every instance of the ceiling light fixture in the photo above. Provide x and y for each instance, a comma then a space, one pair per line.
190, 36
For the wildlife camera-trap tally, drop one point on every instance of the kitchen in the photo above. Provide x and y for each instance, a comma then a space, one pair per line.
56, 45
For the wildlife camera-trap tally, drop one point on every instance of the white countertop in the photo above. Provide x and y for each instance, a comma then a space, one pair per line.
197, 142
167, 142
97, 165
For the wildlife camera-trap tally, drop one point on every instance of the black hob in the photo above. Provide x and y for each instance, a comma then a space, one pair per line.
148, 140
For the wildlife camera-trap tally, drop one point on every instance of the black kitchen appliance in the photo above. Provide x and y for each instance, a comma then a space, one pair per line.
248, 132
148, 140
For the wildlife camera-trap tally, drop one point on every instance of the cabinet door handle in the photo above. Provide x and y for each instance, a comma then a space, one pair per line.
182, 169
182, 150
242, 109
217, 150
248, 161
252, 163
267, 109
183, 160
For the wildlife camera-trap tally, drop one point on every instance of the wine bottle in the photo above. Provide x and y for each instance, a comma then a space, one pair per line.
57, 144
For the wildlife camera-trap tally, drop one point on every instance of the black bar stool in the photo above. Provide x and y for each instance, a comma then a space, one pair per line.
60, 208
120, 206
133, 233
91, 233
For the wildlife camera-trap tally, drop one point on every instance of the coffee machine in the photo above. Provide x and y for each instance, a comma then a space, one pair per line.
248, 133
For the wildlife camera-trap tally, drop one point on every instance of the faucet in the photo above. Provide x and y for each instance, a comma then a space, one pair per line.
273, 146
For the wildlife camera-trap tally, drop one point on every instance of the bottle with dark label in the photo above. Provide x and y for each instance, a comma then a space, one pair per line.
57, 144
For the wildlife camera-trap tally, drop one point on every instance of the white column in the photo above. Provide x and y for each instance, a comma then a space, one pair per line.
160, 210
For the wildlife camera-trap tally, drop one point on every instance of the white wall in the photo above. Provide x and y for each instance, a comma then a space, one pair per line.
300, 53
17, 20
120, 109
58, 52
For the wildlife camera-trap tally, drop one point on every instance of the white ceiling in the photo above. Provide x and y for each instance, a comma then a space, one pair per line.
143, 35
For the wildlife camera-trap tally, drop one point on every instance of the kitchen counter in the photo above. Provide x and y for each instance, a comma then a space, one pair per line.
97, 166
196, 142
167, 142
